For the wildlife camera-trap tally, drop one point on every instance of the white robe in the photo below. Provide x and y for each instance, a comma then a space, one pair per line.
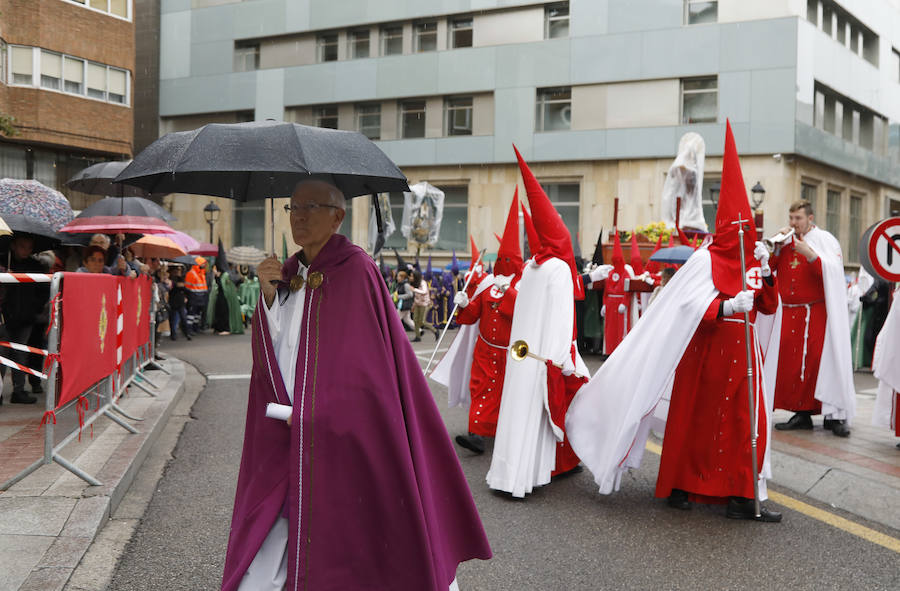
525, 445
834, 384
886, 367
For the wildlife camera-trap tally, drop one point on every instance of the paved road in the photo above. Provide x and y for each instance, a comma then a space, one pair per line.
564, 536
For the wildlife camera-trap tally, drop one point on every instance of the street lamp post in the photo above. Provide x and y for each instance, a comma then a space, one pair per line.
211, 213
758, 195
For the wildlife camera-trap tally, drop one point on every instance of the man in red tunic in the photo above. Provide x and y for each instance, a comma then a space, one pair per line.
695, 328
492, 309
616, 309
804, 320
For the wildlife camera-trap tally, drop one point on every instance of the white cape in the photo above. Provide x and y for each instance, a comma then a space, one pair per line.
454, 370
834, 385
886, 366
610, 418
525, 445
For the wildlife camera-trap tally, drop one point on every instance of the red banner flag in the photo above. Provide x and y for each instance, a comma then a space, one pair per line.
87, 348
145, 295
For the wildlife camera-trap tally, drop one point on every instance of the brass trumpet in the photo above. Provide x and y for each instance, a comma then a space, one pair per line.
519, 351
777, 240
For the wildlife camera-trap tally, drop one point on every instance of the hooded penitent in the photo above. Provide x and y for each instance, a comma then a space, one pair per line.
556, 242
454, 264
533, 243
733, 204
509, 257
637, 265
616, 323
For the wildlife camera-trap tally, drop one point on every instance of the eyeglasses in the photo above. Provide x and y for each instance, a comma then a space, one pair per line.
311, 207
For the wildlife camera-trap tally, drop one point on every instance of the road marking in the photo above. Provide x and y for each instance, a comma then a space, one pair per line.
851, 527
427, 356
228, 376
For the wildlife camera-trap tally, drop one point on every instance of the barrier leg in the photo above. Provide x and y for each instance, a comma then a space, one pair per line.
76, 470
143, 376
122, 412
119, 421
144, 388
37, 464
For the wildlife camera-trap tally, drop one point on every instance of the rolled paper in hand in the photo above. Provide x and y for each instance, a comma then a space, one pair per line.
278, 411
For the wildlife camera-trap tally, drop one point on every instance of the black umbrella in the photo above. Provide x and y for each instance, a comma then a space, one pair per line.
97, 180
264, 159
261, 160
127, 206
676, 255
44, 236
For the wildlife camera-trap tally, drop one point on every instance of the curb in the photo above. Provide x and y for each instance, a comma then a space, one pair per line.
92, 509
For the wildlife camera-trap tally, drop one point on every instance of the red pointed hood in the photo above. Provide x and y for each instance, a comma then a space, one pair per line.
653, 266
497, 236
618, 258
509, 255
556, 242
637, 264
474, 250
733, 203
534, 243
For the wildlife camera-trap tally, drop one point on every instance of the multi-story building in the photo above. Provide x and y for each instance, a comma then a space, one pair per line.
65, 85
595, 93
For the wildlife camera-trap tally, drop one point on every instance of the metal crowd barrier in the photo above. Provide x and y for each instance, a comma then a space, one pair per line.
107, 391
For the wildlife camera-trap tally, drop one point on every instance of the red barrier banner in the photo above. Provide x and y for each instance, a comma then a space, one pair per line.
129, 309
87, 345
145, 295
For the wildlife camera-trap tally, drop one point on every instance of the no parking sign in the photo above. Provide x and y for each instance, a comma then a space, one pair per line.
880, 249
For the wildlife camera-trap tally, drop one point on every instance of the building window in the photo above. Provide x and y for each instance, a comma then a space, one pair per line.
51, 70
556, 21
833, 213
699, 12
455, 221
566, 199
117, 90
246, 57
458, 116
22, 65
554, 109
368, 120
392, 40
699, 100
326, 116
359, 44
327, 47
73, 74
810, 193
840, 116
2, 62
118, 8
96, 81
426, 36
812, 12
249, 223
412, 119
856, 210
461, 32
395, 240
844, 28
895, 64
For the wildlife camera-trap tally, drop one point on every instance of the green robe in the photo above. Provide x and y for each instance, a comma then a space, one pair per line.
236, 326
248, 293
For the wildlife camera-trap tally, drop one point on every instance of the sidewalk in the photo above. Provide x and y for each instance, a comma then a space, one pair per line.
49, 519
859, 474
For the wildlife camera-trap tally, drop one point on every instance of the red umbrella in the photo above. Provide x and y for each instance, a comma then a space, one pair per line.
114, 224
205, 249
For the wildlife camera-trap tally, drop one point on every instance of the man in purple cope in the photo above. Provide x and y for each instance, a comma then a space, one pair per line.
360, 487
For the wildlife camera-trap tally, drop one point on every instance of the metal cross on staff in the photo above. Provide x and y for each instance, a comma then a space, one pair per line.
751, 382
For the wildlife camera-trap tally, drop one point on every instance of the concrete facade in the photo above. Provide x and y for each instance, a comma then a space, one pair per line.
624, 63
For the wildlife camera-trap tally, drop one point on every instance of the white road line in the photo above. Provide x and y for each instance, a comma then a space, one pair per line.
427, 356
228, 376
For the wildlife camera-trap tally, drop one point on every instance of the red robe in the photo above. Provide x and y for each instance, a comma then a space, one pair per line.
494, 310
802, 292
615, 325
706, 450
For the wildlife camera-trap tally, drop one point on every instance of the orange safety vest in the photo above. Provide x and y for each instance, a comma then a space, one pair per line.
195, 279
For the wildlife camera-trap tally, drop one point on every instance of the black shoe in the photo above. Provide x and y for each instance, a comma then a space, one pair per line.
37, 389
741, 508
187, 336
173, 337
678, 499
576, 470
800, 420
20, 397
416, 340
840, 429
473, 443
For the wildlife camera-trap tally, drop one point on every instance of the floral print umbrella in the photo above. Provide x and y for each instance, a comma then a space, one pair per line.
35, 200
